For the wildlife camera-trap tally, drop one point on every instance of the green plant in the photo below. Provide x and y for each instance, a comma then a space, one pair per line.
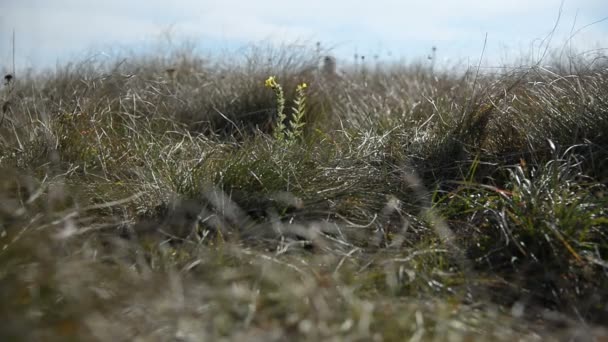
297, 121
279, 128
295, 130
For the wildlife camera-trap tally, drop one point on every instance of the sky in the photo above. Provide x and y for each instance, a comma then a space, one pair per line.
48, 32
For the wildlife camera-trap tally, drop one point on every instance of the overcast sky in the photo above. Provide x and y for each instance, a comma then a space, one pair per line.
52, 30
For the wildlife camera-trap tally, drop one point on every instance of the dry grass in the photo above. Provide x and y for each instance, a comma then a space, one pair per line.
148, 200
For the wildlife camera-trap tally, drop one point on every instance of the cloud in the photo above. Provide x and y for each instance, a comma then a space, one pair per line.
48, 29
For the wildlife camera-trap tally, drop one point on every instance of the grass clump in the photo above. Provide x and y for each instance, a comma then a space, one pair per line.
176, 198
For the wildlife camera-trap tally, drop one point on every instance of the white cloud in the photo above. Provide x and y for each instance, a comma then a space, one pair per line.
47, 29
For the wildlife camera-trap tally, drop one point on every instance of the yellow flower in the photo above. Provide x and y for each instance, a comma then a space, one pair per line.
271, 82
302, 86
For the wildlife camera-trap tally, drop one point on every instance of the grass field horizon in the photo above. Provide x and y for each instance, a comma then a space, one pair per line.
279, 196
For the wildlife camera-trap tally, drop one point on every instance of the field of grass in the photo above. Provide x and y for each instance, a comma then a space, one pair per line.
171, 199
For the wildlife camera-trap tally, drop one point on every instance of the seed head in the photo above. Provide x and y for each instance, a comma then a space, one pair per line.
8, 78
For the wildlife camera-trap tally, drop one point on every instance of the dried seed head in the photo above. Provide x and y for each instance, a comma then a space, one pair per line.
329, 66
